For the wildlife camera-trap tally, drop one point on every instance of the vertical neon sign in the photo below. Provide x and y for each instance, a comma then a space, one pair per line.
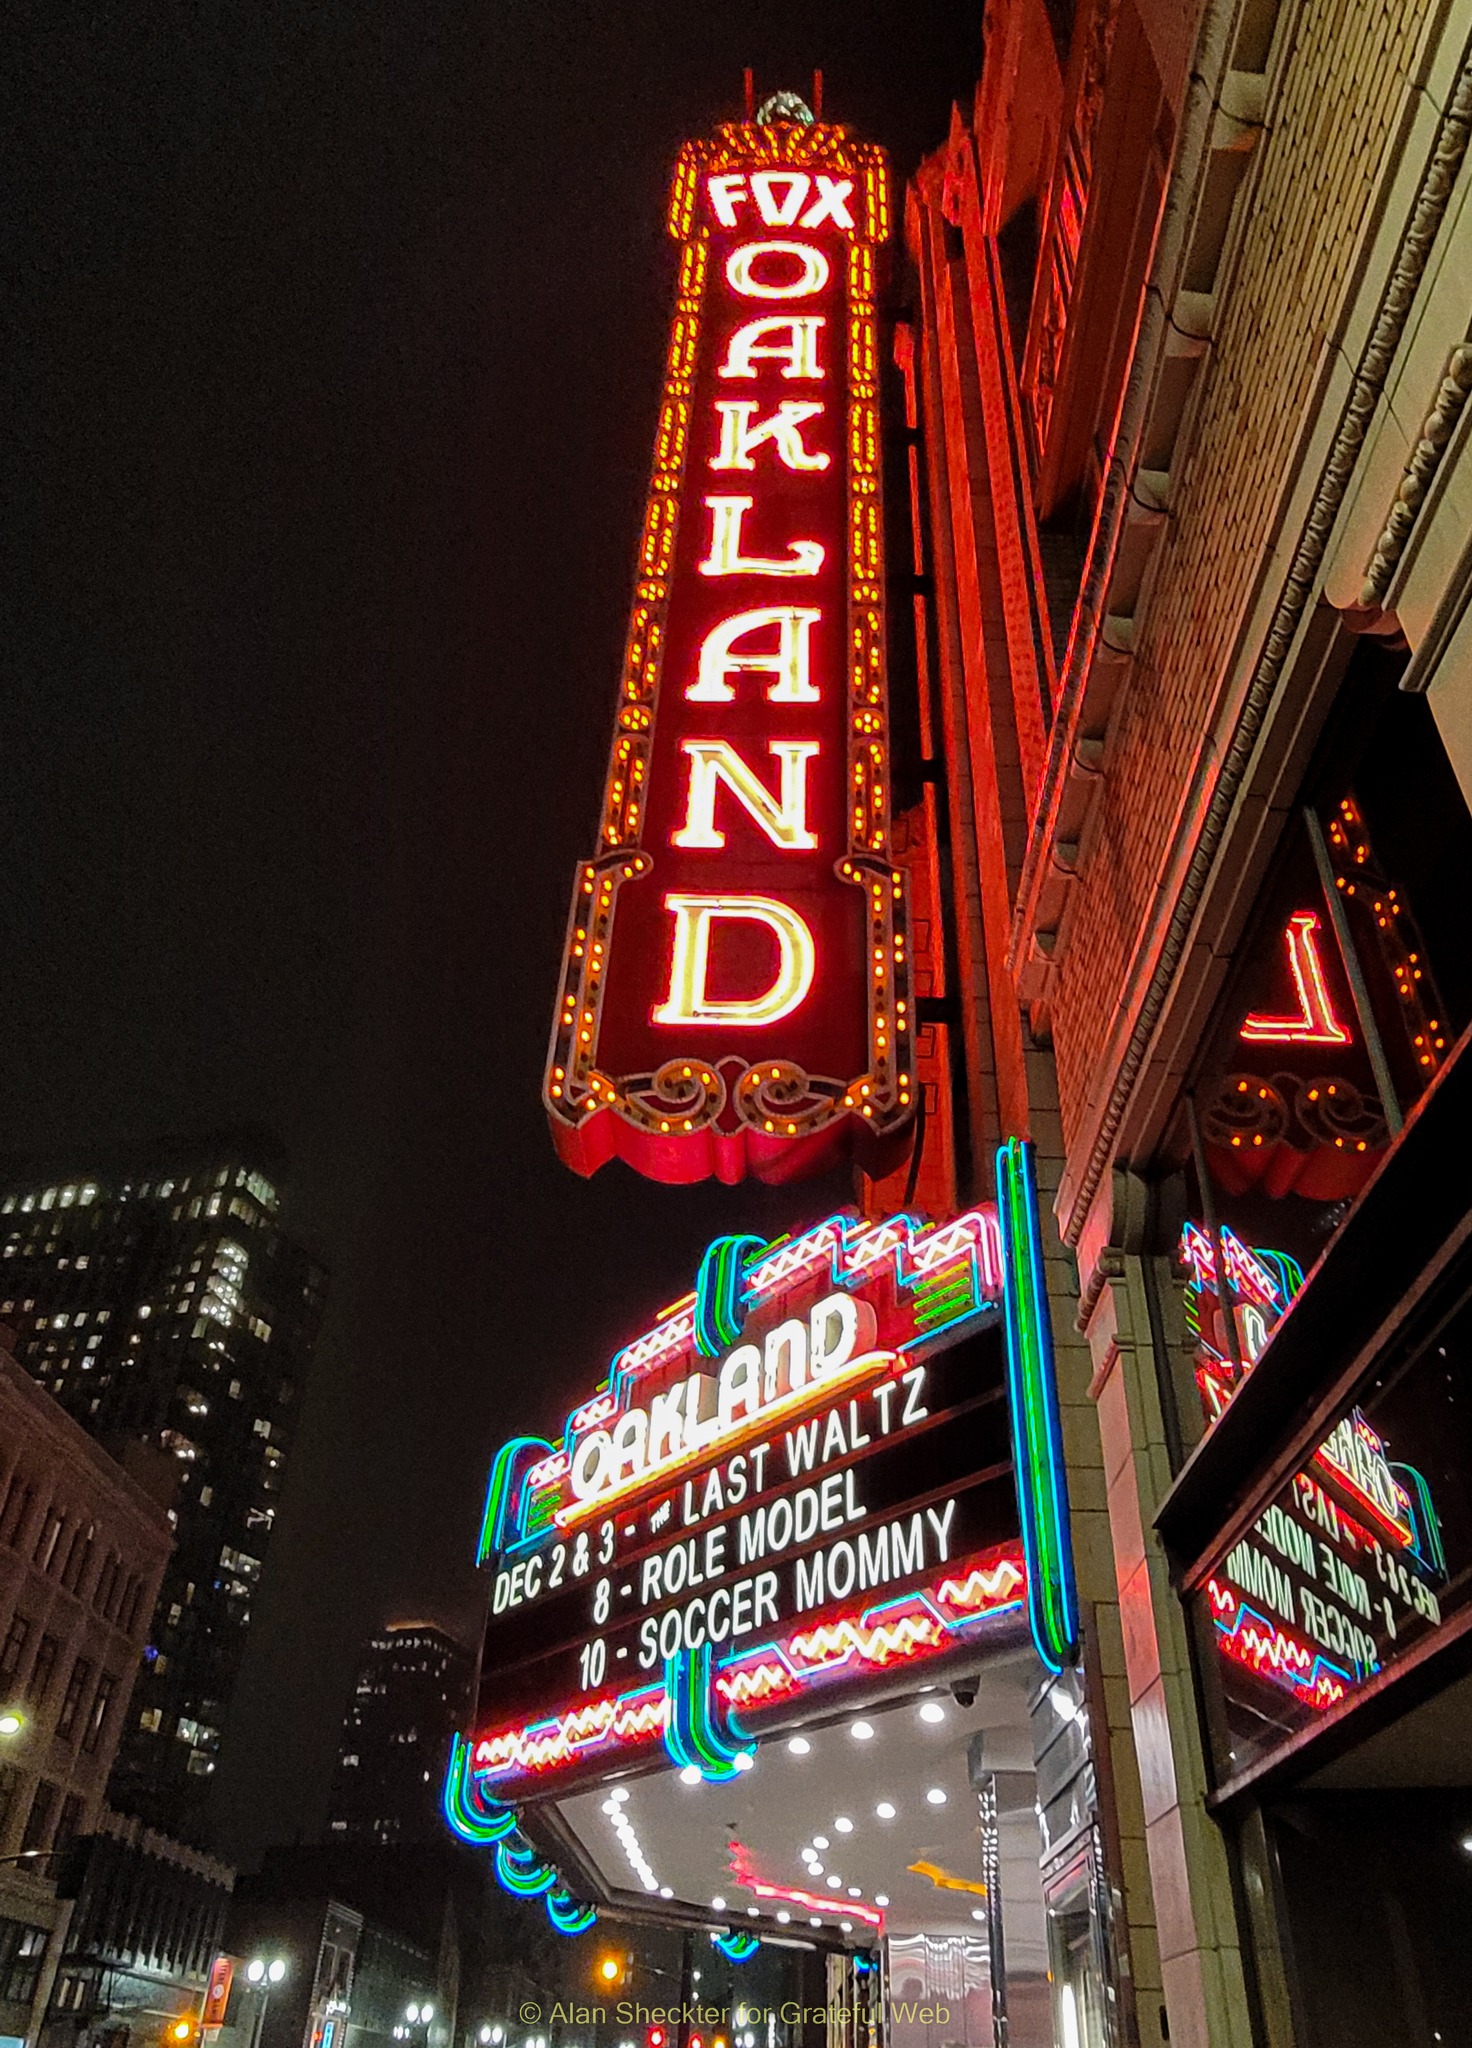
735, 989
1037, 1429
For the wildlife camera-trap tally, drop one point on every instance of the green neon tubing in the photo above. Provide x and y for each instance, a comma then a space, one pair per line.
472, 1817
498, 1494
1037, 1435
720, 1311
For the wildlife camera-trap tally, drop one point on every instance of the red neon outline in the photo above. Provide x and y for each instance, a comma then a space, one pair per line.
1316, 1023
829, 1907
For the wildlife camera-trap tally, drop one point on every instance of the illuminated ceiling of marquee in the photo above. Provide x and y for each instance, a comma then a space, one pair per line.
648, 1834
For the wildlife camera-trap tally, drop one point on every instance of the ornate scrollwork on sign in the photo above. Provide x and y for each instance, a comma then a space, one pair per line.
1283, 1135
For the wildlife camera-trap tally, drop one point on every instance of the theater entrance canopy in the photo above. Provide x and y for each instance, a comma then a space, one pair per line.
772, 1605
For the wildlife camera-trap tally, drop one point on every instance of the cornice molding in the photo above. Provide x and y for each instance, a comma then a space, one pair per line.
1443, 162
1436, 431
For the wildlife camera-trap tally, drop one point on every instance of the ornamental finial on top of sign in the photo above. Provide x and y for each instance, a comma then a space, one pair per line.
784, 106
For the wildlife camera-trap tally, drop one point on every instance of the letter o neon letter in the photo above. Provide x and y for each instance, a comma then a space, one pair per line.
812, 270
592, 1465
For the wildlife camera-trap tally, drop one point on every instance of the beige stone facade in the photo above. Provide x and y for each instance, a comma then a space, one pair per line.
1276, 488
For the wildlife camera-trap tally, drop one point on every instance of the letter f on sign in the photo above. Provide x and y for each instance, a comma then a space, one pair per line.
688, 1002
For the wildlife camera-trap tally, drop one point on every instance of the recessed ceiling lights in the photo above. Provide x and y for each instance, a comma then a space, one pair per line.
746, 1761
932, 1711
855, 1891
978, 1913
690, 1775
719, 1905
814, 1920
799, 1746
820, 1841
784, 1917
666, 1891
862, 1732
835, 1884
610, 1806
884, 1810
881, 1898
629, 1841
846, 1926
620, 1793
754, 1912
936, 1796
815, 1868
844, 1825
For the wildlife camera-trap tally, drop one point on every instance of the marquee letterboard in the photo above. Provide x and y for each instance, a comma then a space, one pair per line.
804, 1473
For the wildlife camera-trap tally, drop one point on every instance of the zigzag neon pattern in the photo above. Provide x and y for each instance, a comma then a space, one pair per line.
1270, 1652
538, 1747
911, 1626
914, 1625
950, 1271
764, 1683
850, 1250
983, 1586
836, 1642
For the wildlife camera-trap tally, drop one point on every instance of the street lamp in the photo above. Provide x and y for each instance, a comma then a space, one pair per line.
264, 1973
12, 1721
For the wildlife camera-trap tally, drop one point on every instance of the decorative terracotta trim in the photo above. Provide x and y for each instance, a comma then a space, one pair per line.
1436, 430
1445, 161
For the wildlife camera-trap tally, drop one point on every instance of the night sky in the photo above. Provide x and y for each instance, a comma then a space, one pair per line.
336, 336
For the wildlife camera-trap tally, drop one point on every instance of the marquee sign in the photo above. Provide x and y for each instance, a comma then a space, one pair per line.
735, 989
826, 1467
1344, 1567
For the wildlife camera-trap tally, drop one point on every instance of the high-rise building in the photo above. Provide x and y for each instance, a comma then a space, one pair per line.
408, 1699
163, 1308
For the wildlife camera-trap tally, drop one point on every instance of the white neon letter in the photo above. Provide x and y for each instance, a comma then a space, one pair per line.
688, 1003
788, 661
742, 431
840, 1326
740, 1385
717, 761
830, 204
780, 214
726, 194
785, 1360
799, 351
810, 277
726, 559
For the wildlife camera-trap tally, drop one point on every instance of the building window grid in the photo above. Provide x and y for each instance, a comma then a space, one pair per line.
42, 1670
71, 1699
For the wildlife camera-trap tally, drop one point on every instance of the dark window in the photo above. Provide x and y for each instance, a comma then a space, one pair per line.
19, 1514
78, 1557
14, 1645
107, 1584
39, 1820
21, 1951
9, 1780
70, 1822
41, 1670
71, 1699
97, 1719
